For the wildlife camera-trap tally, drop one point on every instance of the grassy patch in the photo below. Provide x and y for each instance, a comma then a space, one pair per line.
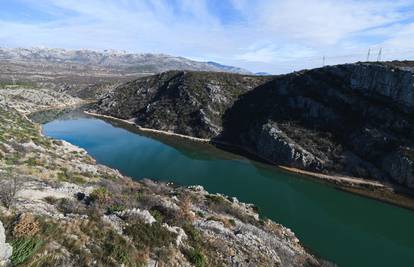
149, 235
66, 176
23, 249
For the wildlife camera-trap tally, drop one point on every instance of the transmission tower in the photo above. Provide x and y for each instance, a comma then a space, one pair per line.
369, 53
379, 54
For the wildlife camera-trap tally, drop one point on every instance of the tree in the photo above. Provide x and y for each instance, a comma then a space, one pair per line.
10, 184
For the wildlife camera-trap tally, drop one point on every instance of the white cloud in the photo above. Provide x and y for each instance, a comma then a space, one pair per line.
273, 36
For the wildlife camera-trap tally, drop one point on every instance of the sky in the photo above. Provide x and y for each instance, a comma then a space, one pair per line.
271, 36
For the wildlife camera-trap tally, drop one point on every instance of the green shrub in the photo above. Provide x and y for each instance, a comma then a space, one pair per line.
195, 238
115, 208
195, 256
118, 252
101, 195
23, 249
216, 199
193, 234
31, 161
157, 215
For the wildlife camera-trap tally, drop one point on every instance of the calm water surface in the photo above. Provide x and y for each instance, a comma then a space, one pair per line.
344, 228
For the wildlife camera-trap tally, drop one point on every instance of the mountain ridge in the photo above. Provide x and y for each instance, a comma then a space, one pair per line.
146, 62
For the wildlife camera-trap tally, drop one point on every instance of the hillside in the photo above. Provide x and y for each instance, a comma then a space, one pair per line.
190, 103
352, 119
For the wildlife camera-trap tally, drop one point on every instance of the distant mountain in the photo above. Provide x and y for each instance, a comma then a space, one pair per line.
231, 69
121, 60
262, 74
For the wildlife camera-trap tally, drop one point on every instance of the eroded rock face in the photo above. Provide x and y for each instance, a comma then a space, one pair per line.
395, 84
352, 119
275, 145
5, 249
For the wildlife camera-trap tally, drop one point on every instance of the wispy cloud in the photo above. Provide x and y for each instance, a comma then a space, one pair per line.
274, 36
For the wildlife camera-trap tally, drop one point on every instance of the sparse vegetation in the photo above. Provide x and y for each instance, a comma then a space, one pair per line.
149, 235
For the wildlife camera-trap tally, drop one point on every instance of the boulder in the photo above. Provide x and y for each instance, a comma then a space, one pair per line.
5, 249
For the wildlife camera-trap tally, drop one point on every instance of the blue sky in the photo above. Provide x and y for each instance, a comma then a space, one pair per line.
262, 35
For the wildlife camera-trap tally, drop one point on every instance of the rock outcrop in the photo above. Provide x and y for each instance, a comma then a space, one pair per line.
352, 119
275, 145
5, 249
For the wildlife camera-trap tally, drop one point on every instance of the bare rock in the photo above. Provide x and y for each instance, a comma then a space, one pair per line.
5, 249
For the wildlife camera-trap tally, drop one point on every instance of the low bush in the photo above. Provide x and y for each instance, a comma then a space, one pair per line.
101, 195
195, 256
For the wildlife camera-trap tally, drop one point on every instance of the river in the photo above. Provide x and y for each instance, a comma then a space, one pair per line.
344, 228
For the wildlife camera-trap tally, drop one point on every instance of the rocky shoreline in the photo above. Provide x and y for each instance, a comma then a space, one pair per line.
204, 140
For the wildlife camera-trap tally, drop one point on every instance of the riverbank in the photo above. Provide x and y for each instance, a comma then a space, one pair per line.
391, 194
148, 129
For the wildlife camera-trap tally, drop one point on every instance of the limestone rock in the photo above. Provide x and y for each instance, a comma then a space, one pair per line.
144, 215
275, 145
5, 249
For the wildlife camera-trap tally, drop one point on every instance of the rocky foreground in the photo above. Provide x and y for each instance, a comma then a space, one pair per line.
353, 120
60, 208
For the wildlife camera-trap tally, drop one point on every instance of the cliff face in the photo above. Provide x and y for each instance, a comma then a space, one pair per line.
353, 119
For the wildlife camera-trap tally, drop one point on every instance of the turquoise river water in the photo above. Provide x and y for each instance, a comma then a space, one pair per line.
344, 228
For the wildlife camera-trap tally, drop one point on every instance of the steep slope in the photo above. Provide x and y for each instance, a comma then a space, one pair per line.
190, 103
352, 119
